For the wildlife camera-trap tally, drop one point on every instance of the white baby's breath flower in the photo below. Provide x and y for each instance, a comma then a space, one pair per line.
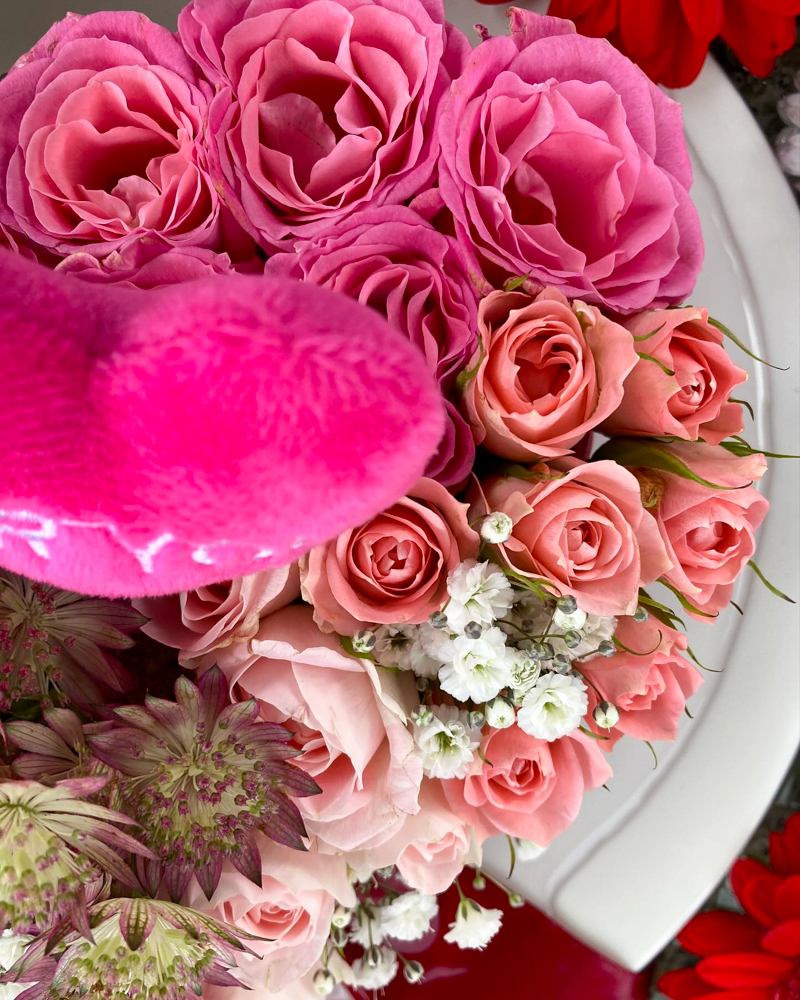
553, 707
365, 930
496, 528
595, 629
474, 925
434, 645
574, 620
408, 917
479, 668
524, 670
500, 713
375, 977
479, 592
527, 850
530, 612
401, 646
447, 743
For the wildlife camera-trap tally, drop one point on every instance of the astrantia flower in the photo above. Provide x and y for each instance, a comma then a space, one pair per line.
56, 750
447, 743
408, 917
54, 639
479, 592
206, 775
479, 668
474, 926
375, 977
52, 844
141, 950
553, 707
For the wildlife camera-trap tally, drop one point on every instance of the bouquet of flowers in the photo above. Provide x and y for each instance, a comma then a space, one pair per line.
264, 783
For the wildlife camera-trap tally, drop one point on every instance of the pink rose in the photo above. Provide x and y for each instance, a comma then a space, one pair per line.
393, 568
692, 403
548, 373
102, 139
202, 623
650, 691
349, 717
563, 162
586, 531
391, 259
149, 263
709, 533
290, 911
533, 789
13, 242
430, 848
321, 107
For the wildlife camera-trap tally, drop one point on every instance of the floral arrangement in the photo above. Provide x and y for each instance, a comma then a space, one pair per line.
265, 783
752, 952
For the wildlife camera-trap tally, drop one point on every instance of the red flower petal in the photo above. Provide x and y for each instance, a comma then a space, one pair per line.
784, 939
743, 871
682, 984
784, 848
757, 892
704, 17
757, 36
789, 8
755, 994
721, 930
744, 969
646, 30
787, 899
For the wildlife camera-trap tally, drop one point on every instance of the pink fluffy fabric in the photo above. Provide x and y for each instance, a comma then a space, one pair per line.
159, 441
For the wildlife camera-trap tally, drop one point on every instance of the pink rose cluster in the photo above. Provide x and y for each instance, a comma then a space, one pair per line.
461, 665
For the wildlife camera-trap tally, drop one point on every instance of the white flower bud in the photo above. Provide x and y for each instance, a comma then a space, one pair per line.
515, 901
573, 620
479, 883
500, 713
413, 972
641, 614
421, 715
606, 648
324, 983
496, 528
474, 925
341, 917
477, 719
364, 641
606, 715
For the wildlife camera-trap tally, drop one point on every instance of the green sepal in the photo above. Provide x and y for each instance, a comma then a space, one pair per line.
771, 587
727, 333
644, 453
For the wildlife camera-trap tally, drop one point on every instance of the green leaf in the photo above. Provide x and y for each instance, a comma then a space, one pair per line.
742, 449
655, 361
468, 374
745, 404
727, 333
653, 752
647, 336
483, 757
771, 587
347, 645
514, 283
689, 714
735, 605
685, 603
515, 471
708, 670
645, 453
513, 860
588, 732
660, 611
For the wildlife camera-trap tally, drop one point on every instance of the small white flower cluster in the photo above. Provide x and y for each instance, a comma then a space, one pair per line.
504, 654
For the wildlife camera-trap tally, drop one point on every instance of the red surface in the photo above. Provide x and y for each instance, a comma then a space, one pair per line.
530, 959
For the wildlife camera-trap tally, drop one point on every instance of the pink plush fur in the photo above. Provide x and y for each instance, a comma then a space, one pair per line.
158, 441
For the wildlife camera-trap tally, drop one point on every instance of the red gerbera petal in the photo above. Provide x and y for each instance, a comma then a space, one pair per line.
704, 17
721, 930
756, 886
788, 8
787, 898
756, 35
645, 32
743, 969
682, 984
784, 848
784, 939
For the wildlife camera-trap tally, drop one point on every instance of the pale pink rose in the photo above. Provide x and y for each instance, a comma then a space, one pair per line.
349, 717
393, 568
533, 789
431, 847
563, 162
291, 911
392, 260
549, 372
709, 533
585, 531
692, 403
321, 107
650, 691
203, 623
102, 140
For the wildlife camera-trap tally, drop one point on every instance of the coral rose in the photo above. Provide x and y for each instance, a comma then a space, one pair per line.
102, 139
562, 162
393, 569
322, 107
709, 533
585, 531
290, 912
202, 623
548, 373
694, 401
350, 718
532, 789
391, 259
650, 691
